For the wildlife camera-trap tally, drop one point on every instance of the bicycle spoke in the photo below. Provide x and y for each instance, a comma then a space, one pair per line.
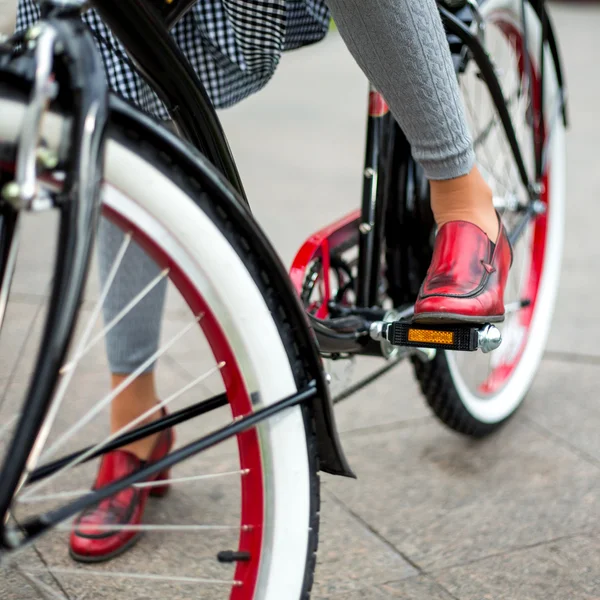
146, 484
490, 174
81, 347
496, 160
105, 402
79, 353
485, 133
118, 318
489, 163
150, 484
130, 575
81, 458
116, 528
514, 307
108, 399
555, 114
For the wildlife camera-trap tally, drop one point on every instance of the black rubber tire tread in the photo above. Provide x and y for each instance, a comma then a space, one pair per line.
217, 212
438, 388
437, 385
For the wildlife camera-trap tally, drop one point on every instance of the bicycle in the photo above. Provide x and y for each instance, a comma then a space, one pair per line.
349, 293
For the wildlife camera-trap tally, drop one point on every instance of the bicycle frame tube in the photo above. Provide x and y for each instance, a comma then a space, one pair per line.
373, 201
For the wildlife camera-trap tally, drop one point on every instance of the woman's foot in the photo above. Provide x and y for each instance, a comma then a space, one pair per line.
136, 399
471, 256
466, 279
91, 539
467, 198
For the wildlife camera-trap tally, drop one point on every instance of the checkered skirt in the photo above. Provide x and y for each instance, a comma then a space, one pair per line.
233, 45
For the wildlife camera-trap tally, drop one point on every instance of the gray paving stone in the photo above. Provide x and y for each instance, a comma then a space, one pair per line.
14, 587
369, 593
351, 557
566, 569
443, 500
394, 398
564, 401
35, 260
580, 556
19, 339
416, 588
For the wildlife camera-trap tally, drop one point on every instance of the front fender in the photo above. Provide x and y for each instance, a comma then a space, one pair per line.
331, 455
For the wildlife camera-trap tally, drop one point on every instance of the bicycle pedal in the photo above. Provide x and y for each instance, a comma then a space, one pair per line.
464, 338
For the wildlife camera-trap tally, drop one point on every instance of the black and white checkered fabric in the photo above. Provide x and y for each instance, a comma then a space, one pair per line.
234, 45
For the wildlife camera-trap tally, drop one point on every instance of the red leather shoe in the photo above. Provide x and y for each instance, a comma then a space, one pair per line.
90, 541
466, 280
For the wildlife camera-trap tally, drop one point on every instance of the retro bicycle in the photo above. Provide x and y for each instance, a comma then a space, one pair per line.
70, 148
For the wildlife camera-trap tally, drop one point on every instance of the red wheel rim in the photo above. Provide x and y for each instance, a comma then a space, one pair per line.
502, 372
252, 482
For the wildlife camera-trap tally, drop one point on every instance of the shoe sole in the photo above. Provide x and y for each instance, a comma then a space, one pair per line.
160, 492
454, 319
105, 557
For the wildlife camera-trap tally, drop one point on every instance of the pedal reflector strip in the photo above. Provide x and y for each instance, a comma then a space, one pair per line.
446, 337
429, 336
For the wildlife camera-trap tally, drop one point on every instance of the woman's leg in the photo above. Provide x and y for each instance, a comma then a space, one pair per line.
134, 339
129, 345
401, 46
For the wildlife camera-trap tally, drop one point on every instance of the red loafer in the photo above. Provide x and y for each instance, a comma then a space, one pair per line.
466, 280
90, 540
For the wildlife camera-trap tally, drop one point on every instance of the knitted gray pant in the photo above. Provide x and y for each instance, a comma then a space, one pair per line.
402, 48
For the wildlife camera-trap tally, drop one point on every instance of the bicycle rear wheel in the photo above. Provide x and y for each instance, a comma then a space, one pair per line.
475, 393
258, 496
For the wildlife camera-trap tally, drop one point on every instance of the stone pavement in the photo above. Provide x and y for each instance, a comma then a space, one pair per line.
432, 516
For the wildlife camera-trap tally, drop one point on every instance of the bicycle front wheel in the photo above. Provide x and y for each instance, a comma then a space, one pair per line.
258, 496
475, 393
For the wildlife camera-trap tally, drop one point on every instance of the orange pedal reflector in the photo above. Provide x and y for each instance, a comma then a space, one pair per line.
446, 337
429, 336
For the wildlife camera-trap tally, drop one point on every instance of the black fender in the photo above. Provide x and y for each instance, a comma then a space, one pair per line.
542, 12
465, 15
331, 455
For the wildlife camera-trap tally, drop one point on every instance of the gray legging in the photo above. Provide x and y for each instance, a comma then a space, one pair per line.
401, 46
